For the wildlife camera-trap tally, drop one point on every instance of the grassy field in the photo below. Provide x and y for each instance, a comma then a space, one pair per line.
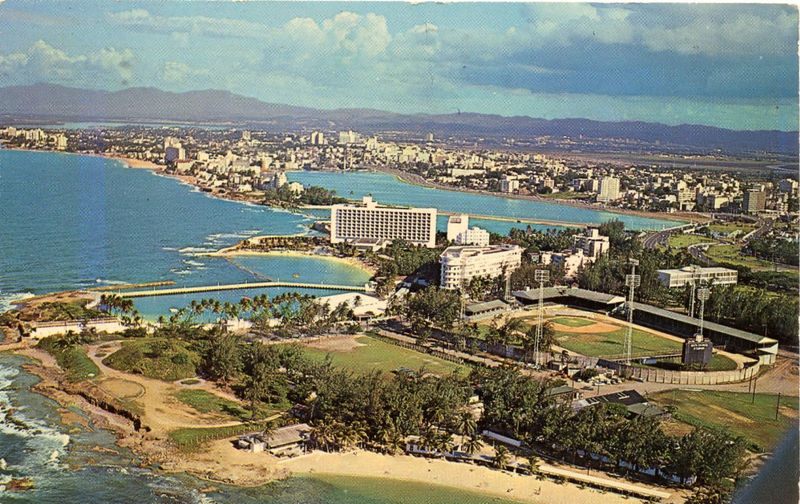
190, 438
609, 344
685, 240
730, 227
206, 402
372, 354
733, 254
733, 412
73, 360
572, 321
157, 358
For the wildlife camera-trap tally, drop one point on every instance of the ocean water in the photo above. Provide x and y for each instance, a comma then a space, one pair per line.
387, 189
78, 221
67, 467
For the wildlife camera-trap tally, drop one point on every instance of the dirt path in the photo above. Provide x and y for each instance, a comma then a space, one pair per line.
161, 411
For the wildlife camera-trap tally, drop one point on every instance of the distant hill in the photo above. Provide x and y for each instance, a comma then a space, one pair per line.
214, 106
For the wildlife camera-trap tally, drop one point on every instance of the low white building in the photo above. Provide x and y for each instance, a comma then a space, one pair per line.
461, 264
473, 236
674, 278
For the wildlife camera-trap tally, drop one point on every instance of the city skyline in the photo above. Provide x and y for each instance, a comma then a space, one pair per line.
732, 66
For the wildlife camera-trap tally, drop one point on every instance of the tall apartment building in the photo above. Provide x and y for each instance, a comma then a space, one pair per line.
674, 278
462, 264
508, 185
369, 221
754, 201
317, 138
609, 189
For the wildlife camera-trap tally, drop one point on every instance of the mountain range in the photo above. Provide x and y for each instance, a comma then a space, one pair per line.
54, 102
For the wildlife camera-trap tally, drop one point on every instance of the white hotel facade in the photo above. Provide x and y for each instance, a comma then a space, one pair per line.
462, 264
368, 221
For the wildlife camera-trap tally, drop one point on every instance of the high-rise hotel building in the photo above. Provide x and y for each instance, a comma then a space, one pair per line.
368, 221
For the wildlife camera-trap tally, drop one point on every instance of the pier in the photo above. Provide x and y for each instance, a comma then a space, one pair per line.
252, 285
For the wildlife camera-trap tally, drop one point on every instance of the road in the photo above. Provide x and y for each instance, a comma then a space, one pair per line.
658, 238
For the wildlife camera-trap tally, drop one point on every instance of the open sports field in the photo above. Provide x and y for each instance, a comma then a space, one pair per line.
366, 354
605, 338
732, 411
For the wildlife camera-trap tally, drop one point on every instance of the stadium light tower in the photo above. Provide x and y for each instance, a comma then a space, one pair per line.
703, 294
541, 276
632, 281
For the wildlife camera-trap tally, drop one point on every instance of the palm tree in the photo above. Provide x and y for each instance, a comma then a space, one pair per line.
466, 424
533, 464
501, 457
472, 445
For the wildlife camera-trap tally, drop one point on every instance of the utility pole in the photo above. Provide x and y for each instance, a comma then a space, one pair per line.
541, 276
703, 294
777, 406
632, 281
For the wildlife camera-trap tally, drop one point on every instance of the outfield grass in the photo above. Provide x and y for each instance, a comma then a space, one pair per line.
158, 358
73, 360
685, 240
733, 412
190, 438
374, 354
610, 344
572, 321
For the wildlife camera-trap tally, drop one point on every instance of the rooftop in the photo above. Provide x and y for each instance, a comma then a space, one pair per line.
711, 326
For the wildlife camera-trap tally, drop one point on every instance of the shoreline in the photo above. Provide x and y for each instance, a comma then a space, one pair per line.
406, 178
456, 475
351, 261
220, 463
413, 179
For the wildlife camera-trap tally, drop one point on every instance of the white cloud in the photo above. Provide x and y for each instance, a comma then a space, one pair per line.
43, 62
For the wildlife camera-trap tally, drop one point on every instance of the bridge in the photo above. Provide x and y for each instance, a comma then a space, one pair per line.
251, 285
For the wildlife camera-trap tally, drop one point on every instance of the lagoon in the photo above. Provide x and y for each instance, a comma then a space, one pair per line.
388, 189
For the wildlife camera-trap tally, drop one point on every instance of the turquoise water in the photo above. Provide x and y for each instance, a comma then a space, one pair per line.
387, 189
76, 221
306, 269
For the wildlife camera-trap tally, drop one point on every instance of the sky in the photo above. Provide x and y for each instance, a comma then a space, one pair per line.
733, 66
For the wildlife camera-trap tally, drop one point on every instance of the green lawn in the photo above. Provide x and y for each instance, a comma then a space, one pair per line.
157, 358
685, 240
610, 344
572, 321
730, 227
206, 402
73, 360
375, 354
732, 411
733, 254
